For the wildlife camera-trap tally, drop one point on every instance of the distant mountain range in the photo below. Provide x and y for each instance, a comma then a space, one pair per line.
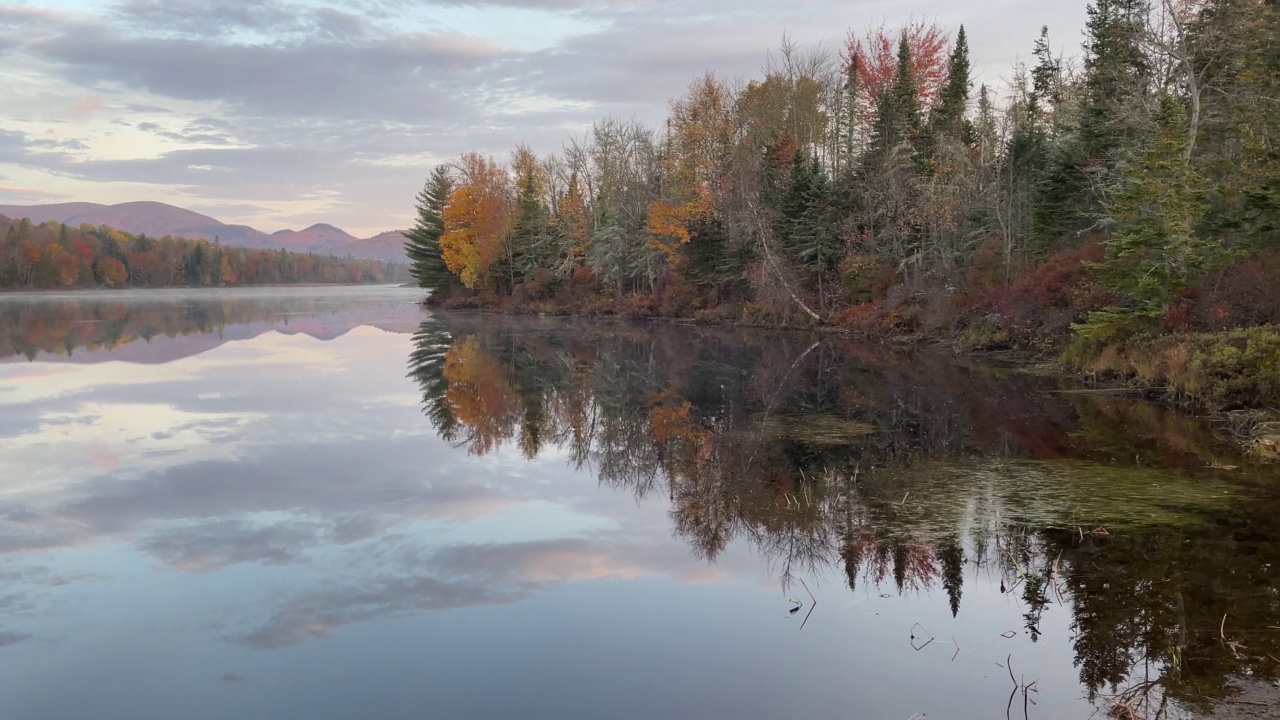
158, 219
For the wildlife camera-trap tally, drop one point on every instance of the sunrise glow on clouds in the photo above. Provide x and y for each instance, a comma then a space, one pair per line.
284, 113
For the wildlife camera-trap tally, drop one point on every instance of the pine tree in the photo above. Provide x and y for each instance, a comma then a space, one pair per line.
534, 244
898, 106
1116, 73
1045, 90
948, 118
852, 127
1156, 251
422, 243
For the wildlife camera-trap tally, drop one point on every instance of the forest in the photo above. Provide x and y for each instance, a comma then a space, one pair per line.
1115, 206
53, 255
902, 471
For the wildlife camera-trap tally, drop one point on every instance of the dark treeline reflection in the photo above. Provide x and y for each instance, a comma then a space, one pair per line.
905, 473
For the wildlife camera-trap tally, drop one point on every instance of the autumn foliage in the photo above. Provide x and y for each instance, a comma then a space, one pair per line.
875, 54
476, 219
52, 255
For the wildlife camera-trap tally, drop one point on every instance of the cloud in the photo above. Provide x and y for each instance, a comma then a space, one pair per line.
318, 614
416, 579
12, 638
215, 544
344, 105
312, 78
26, 195
87, 104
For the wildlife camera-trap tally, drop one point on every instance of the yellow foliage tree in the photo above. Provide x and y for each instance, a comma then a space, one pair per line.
476, 218
226, 273
480, 395
112, 272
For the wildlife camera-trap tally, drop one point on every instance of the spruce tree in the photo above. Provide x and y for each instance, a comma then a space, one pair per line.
898, 105
1116, 72
422, 243
533, 242
948, 118
1156, 251
851, 129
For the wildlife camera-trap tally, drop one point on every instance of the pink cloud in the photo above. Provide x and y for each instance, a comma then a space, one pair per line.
87, 104
23, 193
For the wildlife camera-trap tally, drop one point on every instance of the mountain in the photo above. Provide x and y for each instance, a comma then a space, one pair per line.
159, 219
325, 238
383, 246
58, 212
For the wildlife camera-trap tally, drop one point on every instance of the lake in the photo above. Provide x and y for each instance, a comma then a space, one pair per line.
330, 503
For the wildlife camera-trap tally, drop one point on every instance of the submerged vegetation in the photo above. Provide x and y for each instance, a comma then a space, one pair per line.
1119, 204
902, 473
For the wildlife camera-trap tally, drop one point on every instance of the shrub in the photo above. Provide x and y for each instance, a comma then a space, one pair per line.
1216, 371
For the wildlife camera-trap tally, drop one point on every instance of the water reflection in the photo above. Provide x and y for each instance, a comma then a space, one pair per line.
157, 326
256, 520
909, 473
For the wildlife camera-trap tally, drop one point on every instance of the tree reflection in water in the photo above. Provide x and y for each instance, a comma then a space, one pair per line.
902, 469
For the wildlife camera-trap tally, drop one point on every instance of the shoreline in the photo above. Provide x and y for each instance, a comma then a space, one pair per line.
1253, 428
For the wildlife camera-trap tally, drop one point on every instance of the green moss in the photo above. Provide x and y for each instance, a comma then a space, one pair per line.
1063, 494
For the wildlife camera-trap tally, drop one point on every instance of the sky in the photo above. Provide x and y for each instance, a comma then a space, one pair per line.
283, 113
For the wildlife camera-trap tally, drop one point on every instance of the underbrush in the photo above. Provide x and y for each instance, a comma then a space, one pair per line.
1230, 370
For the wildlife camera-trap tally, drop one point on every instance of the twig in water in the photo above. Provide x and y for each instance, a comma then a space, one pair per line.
926, 643
812, 606
904, 498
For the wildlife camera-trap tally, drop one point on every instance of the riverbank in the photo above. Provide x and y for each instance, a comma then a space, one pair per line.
1230, 378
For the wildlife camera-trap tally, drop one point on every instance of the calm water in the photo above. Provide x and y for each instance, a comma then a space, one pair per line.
326, 503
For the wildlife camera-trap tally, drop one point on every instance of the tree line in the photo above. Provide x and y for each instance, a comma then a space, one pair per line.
1129, 189
54, 255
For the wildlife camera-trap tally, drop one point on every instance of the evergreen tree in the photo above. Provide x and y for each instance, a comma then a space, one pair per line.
948, 118
426, 366
851, 128
422, 243
1049, 162
533, 243
1116, 76
898, 106
950, 554
1046, 91
1156, 251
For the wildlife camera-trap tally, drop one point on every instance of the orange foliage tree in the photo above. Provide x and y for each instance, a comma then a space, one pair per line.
668, 224
112, 272
476, 218
479, 394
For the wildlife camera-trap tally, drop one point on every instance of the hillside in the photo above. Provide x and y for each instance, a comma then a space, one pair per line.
159, 219
58, 212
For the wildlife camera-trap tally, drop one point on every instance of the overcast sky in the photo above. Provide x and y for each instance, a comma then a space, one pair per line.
283, 113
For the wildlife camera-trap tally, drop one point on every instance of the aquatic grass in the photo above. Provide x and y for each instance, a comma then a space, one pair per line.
814, 430
1067, 494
